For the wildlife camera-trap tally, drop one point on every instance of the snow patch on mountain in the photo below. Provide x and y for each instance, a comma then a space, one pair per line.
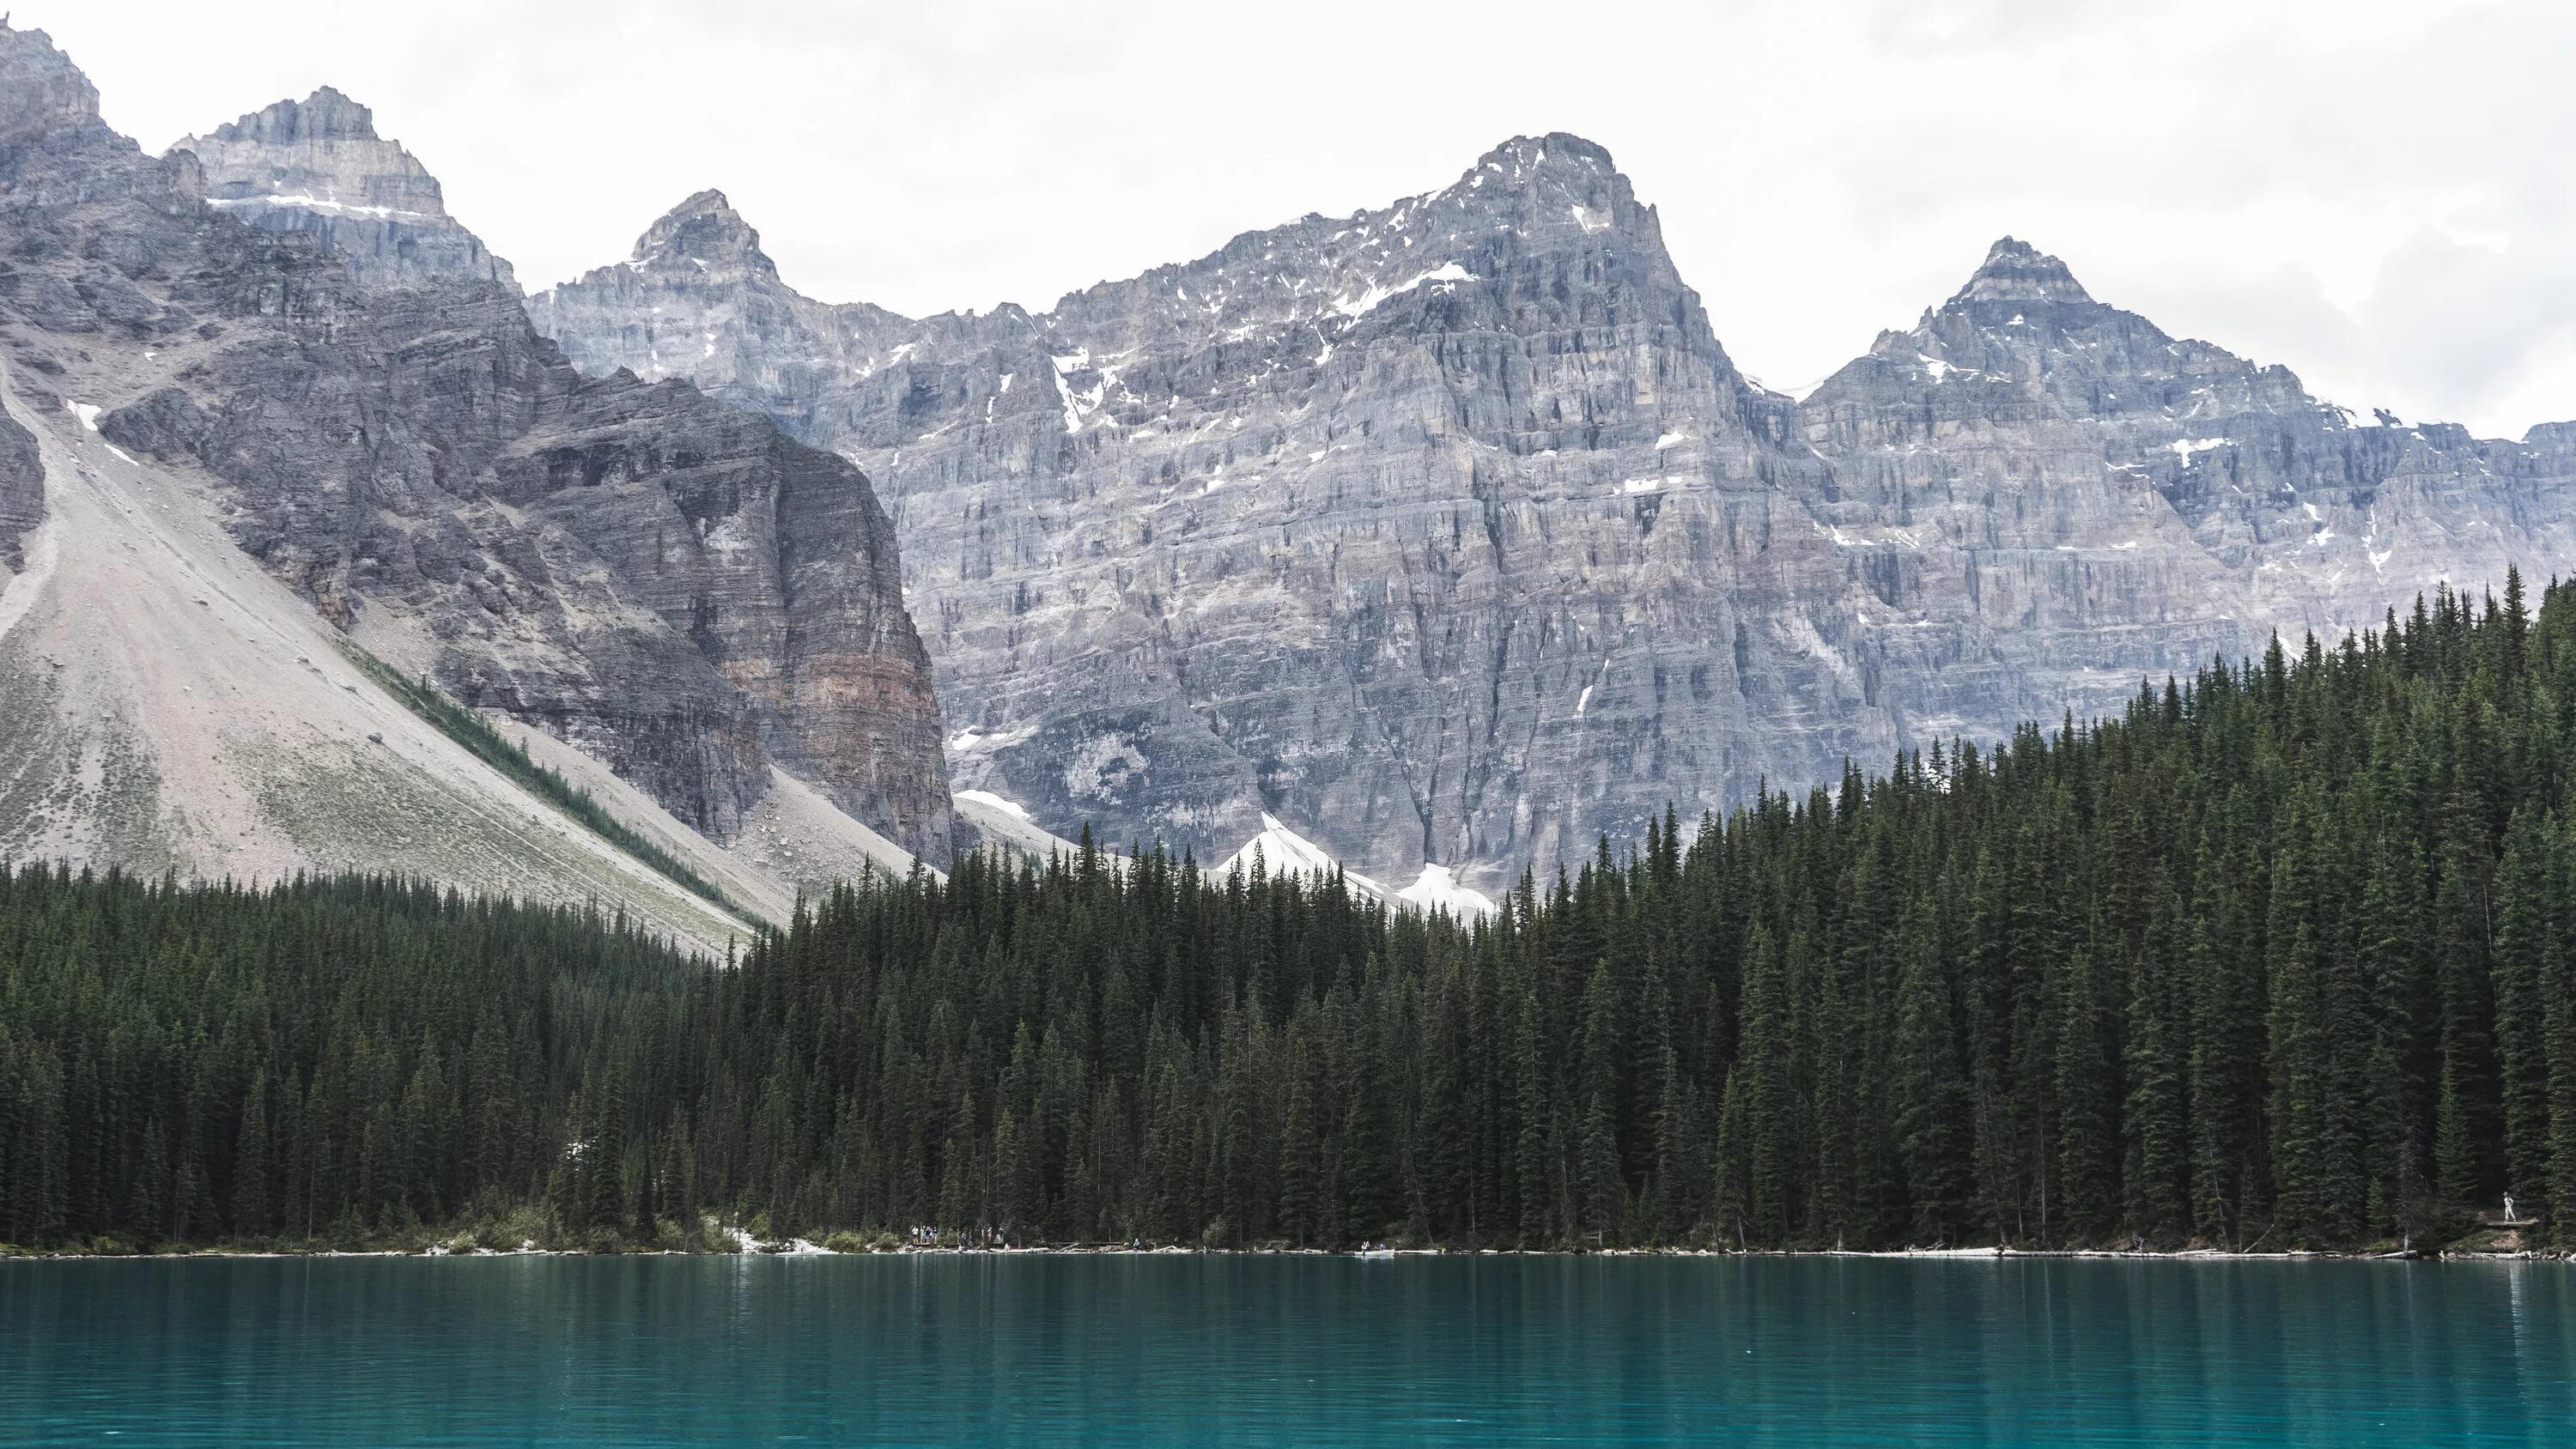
1369, 300
318, 203
1281, 850
1012, 808
1437, 889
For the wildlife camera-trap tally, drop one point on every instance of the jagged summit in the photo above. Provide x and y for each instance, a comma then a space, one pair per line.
2015, 271
698, 298
702, 231
1530, 209
317, 166
39, 84
1523, 156
1539, 182
702, 203
321, 152
325, 115
2023, 339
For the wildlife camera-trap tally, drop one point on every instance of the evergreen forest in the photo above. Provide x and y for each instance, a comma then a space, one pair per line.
2283, 956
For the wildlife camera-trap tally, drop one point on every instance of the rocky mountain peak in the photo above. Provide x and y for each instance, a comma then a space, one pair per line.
325, 115
317, 166
1541, 227
2023, 338
2015, 271
1542, 183
321, 152
709, 202
704, 232
39, 85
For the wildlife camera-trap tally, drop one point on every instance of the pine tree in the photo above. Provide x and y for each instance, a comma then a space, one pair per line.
1768, 1136
1931, 1124
1603, 1174
251, 1197
603, 1160
2156, 1111
2464, 1118
2530, 937
2088, 1125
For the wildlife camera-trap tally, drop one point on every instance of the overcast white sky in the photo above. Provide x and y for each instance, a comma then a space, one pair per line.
2377, 194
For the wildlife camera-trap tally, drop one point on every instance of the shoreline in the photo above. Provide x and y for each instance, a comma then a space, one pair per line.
800, 1248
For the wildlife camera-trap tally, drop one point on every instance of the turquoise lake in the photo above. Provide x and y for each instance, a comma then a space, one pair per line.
1175, 1350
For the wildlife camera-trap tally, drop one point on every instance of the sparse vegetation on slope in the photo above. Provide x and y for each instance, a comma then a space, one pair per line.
470, 729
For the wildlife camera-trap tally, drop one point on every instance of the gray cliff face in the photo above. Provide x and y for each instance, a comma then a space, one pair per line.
1448, 532
317, 165
663, 580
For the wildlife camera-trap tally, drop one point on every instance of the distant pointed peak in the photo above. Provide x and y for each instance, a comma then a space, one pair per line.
702, 230
325, 115
330, 113
709, 202
2016, 271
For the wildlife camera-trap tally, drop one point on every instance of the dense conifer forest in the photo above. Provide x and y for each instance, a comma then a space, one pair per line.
2285, 956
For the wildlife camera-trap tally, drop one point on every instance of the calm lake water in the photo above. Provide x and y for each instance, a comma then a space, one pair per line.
1284, 1351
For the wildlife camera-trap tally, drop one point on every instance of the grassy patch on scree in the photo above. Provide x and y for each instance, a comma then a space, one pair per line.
469, 728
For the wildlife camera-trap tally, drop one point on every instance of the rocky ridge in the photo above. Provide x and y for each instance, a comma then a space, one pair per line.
667, 585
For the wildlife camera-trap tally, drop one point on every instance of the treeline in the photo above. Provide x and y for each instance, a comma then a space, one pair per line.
2281, 957
321, 1060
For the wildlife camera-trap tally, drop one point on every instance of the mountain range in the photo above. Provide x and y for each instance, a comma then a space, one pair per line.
1439, 540
1448, 533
